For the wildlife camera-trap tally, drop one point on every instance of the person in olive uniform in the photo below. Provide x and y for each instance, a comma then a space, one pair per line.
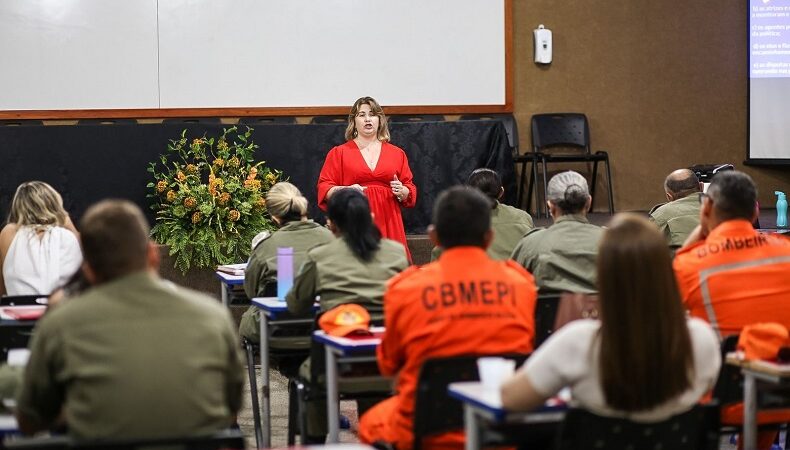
509, 224
562, 256
133, 356
288, 208
680, 215
354, 268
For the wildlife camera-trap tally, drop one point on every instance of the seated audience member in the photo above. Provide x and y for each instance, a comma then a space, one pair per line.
562, 256
627, 364
39, 246
288, 209
509, 224
353, 268
678, 217
731, 275
428, 313
134, 355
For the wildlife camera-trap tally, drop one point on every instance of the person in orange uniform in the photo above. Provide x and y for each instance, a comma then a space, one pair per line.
464, 303
732, 275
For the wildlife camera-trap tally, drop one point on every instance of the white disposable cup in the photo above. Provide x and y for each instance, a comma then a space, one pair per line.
494, 371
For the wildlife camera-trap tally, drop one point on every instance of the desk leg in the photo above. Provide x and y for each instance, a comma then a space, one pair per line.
266, 415
224, 293
472, 428
332, 399
749, 412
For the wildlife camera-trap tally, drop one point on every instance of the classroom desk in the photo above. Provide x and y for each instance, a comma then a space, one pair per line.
341, 350
274, 312
482, 406
226, 283
755, 375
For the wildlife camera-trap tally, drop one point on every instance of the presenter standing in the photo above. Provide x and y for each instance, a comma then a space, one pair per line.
369, 163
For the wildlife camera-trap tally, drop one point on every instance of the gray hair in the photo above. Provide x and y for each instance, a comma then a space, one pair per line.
569, 191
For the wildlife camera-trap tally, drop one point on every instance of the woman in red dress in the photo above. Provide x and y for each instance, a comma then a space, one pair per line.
369, 163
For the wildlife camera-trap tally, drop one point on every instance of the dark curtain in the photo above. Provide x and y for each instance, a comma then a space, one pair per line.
87, 163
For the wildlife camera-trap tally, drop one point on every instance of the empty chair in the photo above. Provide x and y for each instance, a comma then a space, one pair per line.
268, 120
329, 119
519, 159
565, 138
416, 118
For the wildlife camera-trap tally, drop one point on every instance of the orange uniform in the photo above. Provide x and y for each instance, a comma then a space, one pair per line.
464, 303
735, 277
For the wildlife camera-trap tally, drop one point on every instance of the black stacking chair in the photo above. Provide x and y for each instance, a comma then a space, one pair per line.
696, 429
545, 315
329, 119
267, 120
435, 411
228, 439
399, 118
519, 159
565, 138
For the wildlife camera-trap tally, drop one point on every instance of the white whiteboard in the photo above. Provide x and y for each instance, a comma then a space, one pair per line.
132, 54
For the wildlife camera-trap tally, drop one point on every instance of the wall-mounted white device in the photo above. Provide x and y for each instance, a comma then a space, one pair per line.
542, 45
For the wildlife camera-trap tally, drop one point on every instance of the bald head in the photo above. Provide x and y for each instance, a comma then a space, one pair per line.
681, 183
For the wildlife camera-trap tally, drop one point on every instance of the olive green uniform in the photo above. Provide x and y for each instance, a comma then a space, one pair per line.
335, 273
134, 357
677, 219
562, 256
509, 225
261, 270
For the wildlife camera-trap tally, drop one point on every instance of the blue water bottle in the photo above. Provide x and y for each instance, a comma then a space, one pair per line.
285, 271
781, 209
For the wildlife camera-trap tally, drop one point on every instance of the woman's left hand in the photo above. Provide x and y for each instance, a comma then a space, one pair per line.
400, 191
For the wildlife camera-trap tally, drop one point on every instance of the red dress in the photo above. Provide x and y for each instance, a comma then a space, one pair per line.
344, 166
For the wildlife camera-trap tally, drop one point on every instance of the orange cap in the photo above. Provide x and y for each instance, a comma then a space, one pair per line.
762, 340
344, 320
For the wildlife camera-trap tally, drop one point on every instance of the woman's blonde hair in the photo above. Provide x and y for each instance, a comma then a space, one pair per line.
286, 202
37, 203
383, 133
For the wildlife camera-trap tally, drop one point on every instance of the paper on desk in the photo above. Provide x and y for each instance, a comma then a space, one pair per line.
233, 269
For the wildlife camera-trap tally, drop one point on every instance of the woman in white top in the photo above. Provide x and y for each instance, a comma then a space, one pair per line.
39, 248
644, 360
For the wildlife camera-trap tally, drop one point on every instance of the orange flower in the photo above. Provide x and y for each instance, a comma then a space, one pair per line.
219, 162
260, 203
253, 173
197, 142
196, 217
190, 202
271, 178
234, 215
161, 186
180, 176
224, 198
191, 169
171, 196
252, 185
234, 162
222, 145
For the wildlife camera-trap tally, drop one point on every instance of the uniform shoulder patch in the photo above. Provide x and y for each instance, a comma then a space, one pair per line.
260, 237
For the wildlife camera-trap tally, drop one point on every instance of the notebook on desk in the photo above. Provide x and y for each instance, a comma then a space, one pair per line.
233, 269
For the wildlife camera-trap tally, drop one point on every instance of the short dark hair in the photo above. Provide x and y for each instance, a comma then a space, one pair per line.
681, 183
114, 237
734, 195
462, 216
487, 181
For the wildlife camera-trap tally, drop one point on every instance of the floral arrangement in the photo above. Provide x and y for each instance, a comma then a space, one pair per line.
208, 195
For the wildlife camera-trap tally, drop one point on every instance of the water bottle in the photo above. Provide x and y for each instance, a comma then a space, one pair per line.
285, 271
781, 209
